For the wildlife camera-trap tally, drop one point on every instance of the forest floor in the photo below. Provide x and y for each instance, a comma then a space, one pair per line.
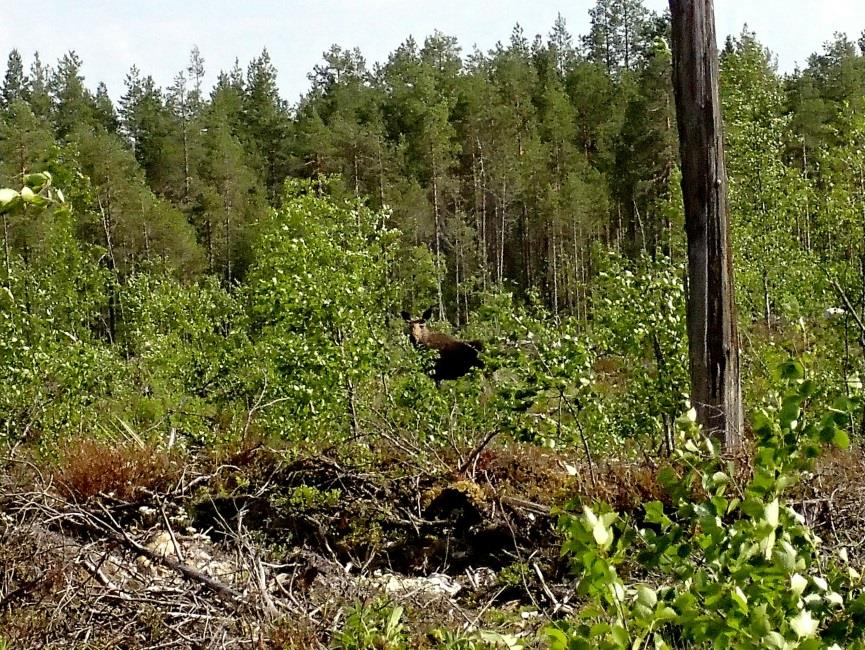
123, 546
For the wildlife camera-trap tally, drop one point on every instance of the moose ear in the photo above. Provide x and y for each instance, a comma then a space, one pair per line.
428, 313
405, 316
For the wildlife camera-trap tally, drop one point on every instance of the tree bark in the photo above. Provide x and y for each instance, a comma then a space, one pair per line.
712, 336
438, 239
6, 255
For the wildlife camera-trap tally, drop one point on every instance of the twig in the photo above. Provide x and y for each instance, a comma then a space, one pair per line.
472, 457
544, 586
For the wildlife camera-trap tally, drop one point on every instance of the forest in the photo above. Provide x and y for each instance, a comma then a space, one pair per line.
216, 433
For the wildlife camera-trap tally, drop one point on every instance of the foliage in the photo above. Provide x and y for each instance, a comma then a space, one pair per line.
317, 294
732, 564
641, 316
185, 349
383, 625
377, 626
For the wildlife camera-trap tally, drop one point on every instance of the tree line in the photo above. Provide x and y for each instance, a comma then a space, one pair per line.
514, 167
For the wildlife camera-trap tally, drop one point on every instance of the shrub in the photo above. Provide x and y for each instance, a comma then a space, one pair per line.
732, 565
318, 294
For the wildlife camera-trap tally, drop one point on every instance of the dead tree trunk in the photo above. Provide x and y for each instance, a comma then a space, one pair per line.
712, 337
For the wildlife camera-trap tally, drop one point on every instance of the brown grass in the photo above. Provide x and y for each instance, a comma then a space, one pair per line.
87, 468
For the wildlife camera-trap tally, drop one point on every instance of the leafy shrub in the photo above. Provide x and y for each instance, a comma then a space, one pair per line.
732, 565
379, 625
185, 347
382, 625
318, 294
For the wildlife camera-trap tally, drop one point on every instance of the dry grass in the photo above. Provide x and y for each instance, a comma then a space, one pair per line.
88, 468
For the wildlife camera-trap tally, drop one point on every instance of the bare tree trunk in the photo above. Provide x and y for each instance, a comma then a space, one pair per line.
106, 229
146, 234
208, 229
712, 336
228, 244
228, 205
380, 175
807, 199
502, 235
6, 256
438, 240
555, 263
356, 175
579, 265
105, 212
186, 176
483, 229
457, 277
627, 25
526, 246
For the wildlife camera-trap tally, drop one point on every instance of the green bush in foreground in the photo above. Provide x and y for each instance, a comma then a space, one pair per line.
731, 566
384, 625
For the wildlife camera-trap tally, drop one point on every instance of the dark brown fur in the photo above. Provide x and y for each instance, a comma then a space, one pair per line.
455, 358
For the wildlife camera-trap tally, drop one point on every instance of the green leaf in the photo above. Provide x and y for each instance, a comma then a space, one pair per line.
8, 199
620, 636
791, 370
774, 641
790, 410
762, 423
646, 596
393, 620
841, 439
558, 639
771, 513
810, 644
803, 624
655, 513
808, 388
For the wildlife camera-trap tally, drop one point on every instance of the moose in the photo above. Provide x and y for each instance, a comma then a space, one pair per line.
455, 357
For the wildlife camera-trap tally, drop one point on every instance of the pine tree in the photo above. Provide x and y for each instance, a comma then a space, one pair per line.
226, 97
601, 43
40, 98
146, 123
340, 127
646, 156
180, 103
103, 110
265, 122
26, 143
73, 103
16, 85
561, 46
229, 195
122, 215
618, 33
195, 75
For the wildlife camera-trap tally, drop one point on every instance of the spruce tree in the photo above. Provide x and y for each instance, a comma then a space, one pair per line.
16, 85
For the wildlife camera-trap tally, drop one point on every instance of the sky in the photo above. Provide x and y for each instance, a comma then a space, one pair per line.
157, 35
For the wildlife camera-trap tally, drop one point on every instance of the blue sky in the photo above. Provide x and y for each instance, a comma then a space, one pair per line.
157, 35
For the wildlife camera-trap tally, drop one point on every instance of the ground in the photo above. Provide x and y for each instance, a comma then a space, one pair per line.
115, 545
